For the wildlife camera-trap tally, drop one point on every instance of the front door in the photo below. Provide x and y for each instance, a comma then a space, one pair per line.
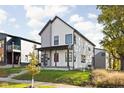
16, 58
44, 59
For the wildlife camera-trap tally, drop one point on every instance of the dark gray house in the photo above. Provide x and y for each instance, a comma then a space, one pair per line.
16, 48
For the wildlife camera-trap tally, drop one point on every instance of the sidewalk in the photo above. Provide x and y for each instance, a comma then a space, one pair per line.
56, 85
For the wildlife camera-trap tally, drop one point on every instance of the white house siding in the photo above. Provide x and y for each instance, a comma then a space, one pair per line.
81, 48
60, 29
61, 58
26, 48
46, 36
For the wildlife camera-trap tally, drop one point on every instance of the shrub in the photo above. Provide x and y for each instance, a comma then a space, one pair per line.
103, 78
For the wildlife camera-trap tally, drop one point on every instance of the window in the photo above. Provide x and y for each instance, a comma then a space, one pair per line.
89, 49
44, 57
102, 54
26, 58
68, 39
74, 39
83, 58
56, 40
74, 58
70, 56
56, 57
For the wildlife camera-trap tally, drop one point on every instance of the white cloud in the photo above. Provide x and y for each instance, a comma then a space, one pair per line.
34, 35
36, 14
3, 16
76, 18
17, 26
2, 31
35, 24
55, 10
90, 29
92, 16
13, 22
84, 25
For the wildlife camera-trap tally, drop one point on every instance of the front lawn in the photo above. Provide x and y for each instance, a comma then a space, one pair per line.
20, 85
4, 72
58, 76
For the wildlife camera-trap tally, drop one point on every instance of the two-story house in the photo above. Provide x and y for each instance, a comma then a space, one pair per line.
15, 49
64, 46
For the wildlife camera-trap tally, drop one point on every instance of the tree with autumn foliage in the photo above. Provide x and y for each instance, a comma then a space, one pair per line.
112, 18
33, 67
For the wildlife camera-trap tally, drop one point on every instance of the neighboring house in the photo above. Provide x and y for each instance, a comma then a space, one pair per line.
20, 51
101, 59
63, 46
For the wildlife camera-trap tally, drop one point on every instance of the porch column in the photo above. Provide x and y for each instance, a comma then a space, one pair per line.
38, 56
73, 58
54, 58
68, 59
50, 59
12, 54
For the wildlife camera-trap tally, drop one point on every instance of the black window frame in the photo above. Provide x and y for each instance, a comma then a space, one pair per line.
66, 38
56, 57
56, 41
70, 56
74, 39
83, 59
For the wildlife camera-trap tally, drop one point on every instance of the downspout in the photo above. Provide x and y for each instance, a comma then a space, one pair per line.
93, 63
73, 50
50, 43
5, 51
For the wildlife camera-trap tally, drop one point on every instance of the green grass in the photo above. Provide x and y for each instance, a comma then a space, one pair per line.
4, 72
20, 85
12, 85
57, 76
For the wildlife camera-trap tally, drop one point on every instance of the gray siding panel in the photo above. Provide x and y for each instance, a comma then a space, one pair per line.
46, 37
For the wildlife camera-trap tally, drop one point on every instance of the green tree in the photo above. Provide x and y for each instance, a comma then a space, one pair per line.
112, 18
33, 67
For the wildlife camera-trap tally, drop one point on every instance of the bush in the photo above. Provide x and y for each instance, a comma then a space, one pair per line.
103, 78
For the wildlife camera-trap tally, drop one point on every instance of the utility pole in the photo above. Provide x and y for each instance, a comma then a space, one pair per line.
12, 54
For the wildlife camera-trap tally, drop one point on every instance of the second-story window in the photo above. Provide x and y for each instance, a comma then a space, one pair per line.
56, 40
68, 39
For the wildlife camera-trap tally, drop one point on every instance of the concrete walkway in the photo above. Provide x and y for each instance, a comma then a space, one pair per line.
37, 83
56, 85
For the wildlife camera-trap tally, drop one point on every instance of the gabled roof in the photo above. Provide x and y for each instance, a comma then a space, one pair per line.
20, 38
76, 31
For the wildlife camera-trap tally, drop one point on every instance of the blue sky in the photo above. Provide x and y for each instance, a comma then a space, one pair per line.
27, 21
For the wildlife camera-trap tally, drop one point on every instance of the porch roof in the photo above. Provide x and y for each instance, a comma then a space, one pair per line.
60, 47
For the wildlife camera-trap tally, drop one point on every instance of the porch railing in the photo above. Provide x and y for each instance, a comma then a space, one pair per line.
16, 47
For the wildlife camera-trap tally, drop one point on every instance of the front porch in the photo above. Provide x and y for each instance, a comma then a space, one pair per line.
53, 57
